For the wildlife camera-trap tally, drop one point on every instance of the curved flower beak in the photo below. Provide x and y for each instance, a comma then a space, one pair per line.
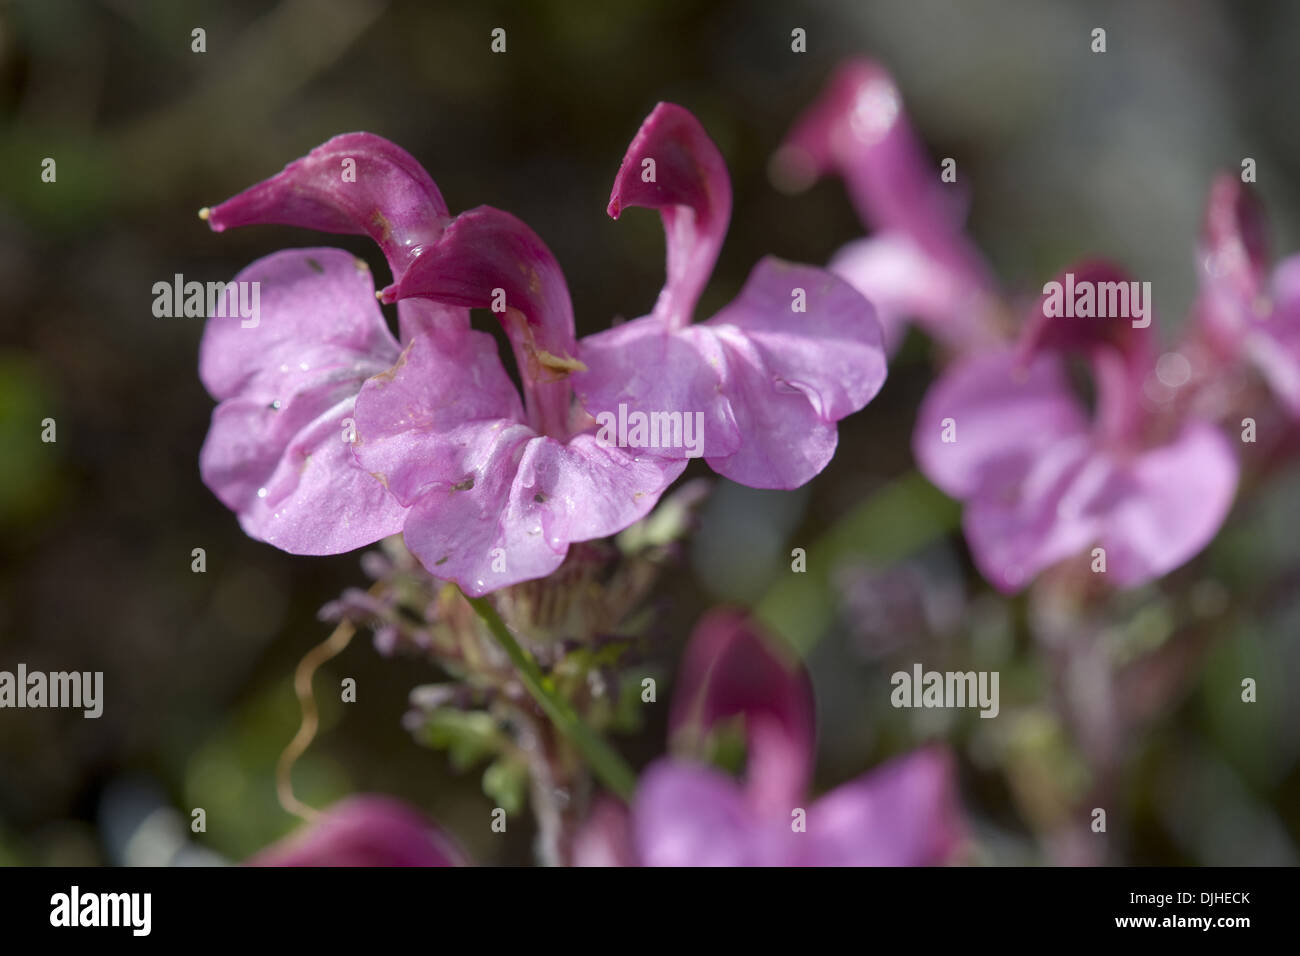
671, 165
355, 183
487, 258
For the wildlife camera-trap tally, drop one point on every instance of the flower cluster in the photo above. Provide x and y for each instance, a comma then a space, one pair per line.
1146, 476
331, 434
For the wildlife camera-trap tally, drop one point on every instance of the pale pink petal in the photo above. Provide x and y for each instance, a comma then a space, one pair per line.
1178, 495
1002, 416
904, 813
279, 451
691, 815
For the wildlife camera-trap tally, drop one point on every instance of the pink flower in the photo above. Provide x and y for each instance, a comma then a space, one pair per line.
770, 374
686, 813
1044, 481
330, 434
497, 489
1246, 310
278, 452
918, 264
367, 830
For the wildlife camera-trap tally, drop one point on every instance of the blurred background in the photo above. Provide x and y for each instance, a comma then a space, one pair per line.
1065, 154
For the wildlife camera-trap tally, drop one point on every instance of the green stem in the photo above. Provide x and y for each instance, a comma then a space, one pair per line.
612, 770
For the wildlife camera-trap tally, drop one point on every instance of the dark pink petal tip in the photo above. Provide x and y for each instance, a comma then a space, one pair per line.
673, 166
732, 669
355, 183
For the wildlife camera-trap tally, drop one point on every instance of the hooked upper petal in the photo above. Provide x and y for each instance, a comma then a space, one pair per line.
859, 129
1234, 244
487, 258
671, 165
354, 183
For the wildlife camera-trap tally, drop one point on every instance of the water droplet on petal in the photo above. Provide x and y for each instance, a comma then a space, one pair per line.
261, 492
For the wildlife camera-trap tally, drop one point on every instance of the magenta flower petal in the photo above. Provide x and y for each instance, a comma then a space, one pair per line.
1000, 415
1245, 311
859, 129
770, 382
1234, 258
365, 830
730, 670
903, 282
1180, 494
489, 259
278, 452
1041, 484
391, 198
1051, 509
649, 368
904, 813
605, 838
687, 182
1274, 343
492, 502
416, 423
686, 814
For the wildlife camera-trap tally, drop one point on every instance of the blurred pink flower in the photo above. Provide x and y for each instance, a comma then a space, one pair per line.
772, 372
918, 263
1044, 480
366, 830
686, 813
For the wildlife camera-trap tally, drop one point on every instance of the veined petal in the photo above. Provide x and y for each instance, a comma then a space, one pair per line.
279, 451
671, 165
814, 332
643, 367
365, 831
417, 421
293, 483
353, 183
317, 316
731, 670
768, 381
793, 374
525, 500
493, 503
904, 813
